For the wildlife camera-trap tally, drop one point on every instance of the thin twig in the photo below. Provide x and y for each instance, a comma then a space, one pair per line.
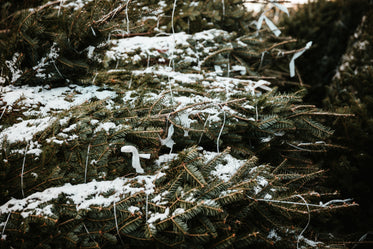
127, 19
302, 204
6, 222
4, 31
23, 169
131, 34
215, 53
111, 14
302, 106
308, 222
203, 103
221, 131
116, 223
278, 44
5, 107
86, 164
292, 51
299, 76
190, 106
255, 77
322, 114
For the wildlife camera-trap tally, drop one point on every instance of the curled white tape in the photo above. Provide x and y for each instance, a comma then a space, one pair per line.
168, 141
295, 56
135, 157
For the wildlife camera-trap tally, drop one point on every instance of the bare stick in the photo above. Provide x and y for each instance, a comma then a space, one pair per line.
86, 165
111, 14
23, 170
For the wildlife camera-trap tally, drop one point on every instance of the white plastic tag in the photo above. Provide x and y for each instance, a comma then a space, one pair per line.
135, 157
295, 56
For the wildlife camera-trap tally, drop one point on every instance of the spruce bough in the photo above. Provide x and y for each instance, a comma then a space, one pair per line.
227, 156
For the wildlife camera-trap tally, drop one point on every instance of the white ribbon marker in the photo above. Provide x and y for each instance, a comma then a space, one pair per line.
295, 56
280, 6
185, 121
168, 141
135, 157
269, 23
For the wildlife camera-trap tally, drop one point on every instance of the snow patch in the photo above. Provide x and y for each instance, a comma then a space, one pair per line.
105, 127
159, 216
227, 170
25, 130
41, 101
165, 158
11, 64
81, 195
273, 235
133, 209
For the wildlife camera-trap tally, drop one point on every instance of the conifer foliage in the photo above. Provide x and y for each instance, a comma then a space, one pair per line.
329, 24
342, 81
152, 123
